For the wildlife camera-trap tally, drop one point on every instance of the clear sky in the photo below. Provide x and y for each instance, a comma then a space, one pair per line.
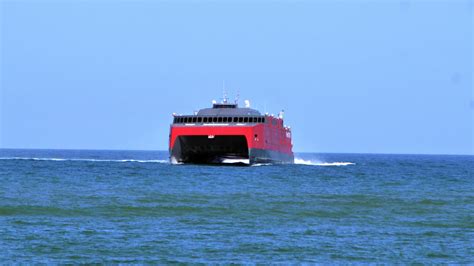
352, 76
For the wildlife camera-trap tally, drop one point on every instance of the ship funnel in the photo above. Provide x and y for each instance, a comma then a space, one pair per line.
247, 103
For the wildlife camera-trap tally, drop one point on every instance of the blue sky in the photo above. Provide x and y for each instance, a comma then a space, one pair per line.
352, 76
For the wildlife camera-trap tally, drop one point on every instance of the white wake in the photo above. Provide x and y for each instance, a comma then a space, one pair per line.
318, 163
240, 161
84, 160
298, 161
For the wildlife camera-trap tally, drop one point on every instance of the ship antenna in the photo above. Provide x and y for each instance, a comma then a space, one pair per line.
237, 97
224, 96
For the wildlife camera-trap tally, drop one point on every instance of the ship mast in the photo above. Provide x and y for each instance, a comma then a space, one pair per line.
236, 101
224, 92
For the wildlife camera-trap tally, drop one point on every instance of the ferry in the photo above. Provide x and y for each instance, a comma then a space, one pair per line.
227, 133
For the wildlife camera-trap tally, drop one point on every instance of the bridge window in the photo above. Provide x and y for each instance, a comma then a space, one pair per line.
236, 119
241, 119
255, 119
204, 119
214, 119
246, 119
199, 119
219, 120
194, 119
224, 119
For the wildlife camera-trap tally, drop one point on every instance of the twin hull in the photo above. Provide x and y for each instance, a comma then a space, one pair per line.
252, 143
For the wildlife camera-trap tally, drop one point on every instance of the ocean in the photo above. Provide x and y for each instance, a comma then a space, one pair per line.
67, 206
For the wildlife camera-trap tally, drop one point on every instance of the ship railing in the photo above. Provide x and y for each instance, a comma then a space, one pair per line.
218, 119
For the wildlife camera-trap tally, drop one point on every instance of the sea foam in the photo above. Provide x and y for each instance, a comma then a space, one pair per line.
319, 163
83, 160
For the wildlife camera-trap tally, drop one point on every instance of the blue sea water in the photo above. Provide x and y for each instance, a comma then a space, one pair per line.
134, 207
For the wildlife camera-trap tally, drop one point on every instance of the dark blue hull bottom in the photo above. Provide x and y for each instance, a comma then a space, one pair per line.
268, 156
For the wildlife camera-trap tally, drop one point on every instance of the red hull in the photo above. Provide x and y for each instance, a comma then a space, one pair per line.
269, 141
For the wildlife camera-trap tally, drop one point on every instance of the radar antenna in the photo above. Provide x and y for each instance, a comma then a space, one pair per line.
280, 115
247, 104
224, 92
237, 97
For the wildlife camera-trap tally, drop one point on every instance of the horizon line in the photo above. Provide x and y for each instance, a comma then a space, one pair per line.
150, 150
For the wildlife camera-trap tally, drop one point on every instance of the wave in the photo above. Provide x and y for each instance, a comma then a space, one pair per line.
318, 163
84, 160
261, 164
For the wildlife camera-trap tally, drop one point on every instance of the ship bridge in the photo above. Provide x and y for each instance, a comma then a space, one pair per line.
222, 113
